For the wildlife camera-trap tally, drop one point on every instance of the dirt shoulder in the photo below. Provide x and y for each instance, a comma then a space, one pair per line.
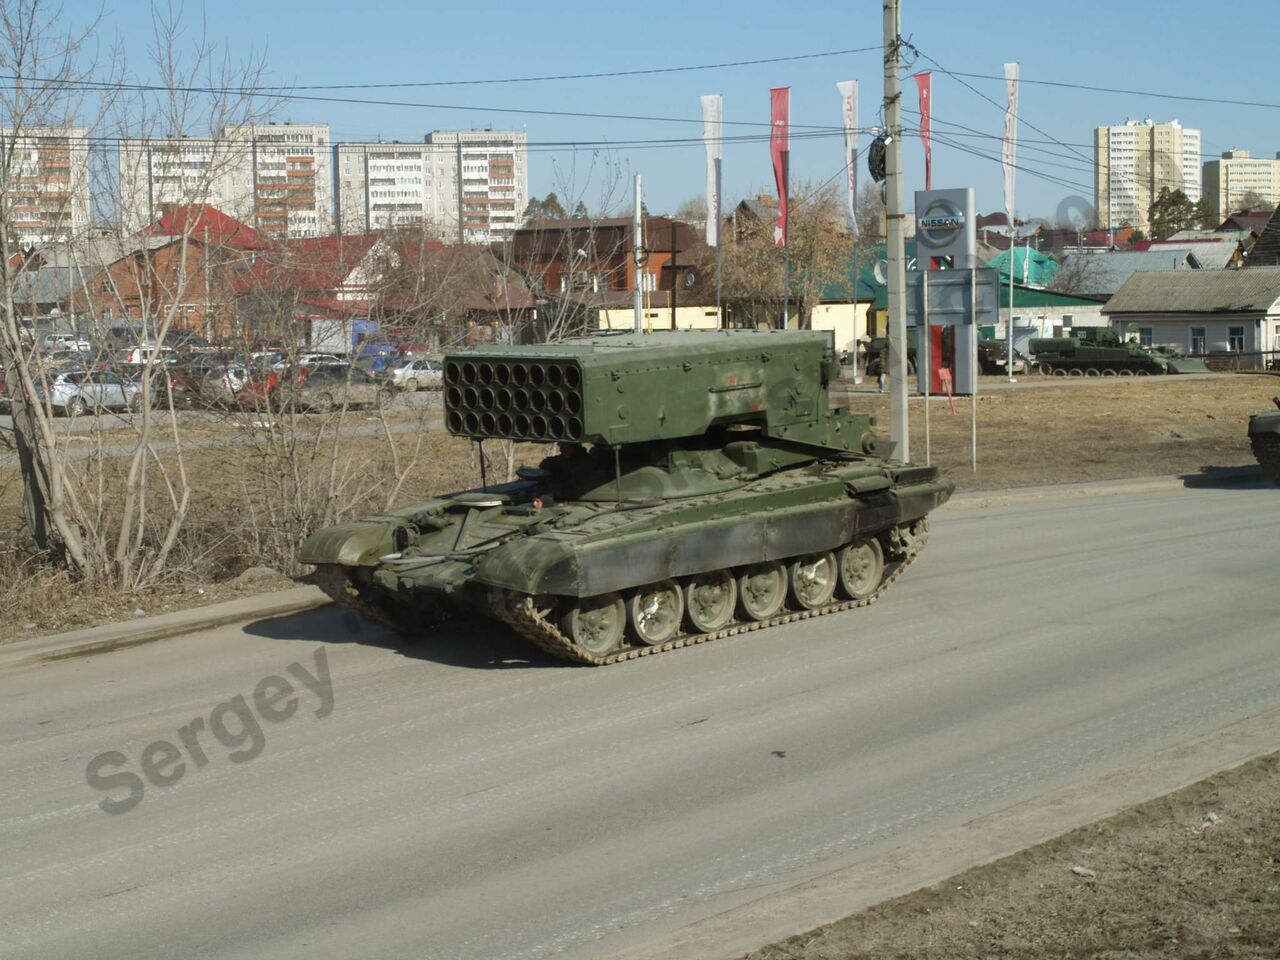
1194, 874
1110, 429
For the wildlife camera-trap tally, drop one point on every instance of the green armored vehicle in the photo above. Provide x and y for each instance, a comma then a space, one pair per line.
1098, 351
1264, 437
701, 486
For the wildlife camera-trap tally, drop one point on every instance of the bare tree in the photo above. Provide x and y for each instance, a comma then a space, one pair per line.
106, 524
821, 254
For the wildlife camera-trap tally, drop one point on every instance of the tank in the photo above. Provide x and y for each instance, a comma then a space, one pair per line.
1098, 351
697, 486
1264, 437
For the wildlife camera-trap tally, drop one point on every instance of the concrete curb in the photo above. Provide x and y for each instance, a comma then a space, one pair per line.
982, 499
850, 890
131, 633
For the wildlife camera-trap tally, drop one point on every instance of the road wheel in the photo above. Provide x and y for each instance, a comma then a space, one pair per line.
1075, 372
1091, 372
1126, 372
77, 407
595, 623
1108, 372
1044, 370
813, 579
710, 599
1059, 371
384, 398
1142, 373
762, 589
861, 568
411, 385
655, 612
323, 403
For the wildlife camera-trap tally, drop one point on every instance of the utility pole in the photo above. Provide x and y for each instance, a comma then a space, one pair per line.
637, 253
899, 431
674, 276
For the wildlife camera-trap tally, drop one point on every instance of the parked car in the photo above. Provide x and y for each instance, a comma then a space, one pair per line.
310, 360
141, 353
186, 341
77, 392
414, 349
415, 373
329, 387
222, 385
64, 341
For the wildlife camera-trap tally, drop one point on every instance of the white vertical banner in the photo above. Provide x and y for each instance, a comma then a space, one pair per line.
1009, 149
848, 90
713, 139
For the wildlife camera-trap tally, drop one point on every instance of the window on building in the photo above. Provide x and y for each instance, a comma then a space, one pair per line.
1146, 336
1196, 341
1235, 339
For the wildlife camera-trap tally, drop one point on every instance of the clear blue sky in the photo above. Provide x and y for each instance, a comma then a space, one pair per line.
1175, 47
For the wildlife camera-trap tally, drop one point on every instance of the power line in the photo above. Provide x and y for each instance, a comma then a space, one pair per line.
563, 76
283, 91
446, 106
1224, 101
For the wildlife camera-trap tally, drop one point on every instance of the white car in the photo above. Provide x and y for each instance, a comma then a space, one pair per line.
309, 360
76, 392
416, 373
64, 341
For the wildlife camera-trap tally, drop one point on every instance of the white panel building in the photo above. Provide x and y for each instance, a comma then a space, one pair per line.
1134, 160
44, 183
468, 186
273, 176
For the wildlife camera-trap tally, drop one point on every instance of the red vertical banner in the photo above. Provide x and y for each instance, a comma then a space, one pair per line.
780, 150
924, 85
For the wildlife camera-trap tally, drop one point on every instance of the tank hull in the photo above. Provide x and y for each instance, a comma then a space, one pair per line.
540, 568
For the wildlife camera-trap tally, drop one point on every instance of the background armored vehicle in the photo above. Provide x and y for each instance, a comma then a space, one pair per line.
1264, 437
702, 486
1099, 351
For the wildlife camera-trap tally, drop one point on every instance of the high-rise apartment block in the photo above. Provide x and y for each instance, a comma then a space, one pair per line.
1227, 180
1134, 160
44, 183
467, 186
288, 180
274, 176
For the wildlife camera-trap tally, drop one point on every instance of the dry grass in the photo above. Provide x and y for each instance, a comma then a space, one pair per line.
1166, 880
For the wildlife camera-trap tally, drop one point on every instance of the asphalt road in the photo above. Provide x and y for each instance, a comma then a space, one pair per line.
461, 800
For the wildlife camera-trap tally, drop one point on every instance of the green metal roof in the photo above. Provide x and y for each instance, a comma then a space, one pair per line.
1029, 266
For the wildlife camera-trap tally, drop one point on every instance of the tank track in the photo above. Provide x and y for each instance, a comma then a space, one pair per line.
1266, 448
333, 579
520, 613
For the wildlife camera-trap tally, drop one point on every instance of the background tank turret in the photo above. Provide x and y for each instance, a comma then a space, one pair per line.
1264, 437
700, 485
1099, 351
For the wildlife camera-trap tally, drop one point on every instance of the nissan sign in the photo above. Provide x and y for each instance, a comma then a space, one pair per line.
944, 226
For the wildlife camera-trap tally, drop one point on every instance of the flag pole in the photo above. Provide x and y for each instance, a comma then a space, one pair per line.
719, 246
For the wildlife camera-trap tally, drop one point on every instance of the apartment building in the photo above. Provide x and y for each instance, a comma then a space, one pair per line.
382, 185
1134, 160
469, 186
274, 176
44, 183
1225, 181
